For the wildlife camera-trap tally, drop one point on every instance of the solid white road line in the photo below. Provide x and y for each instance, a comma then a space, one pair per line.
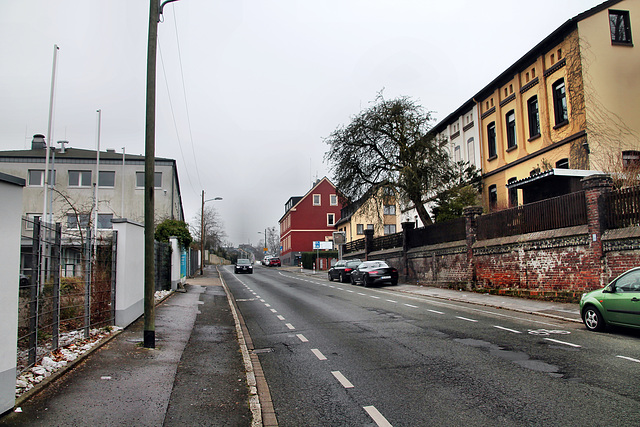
507, 329
464, 318
318, 354
629, 358
562, 342
302, 338
377, 417
435, 311
345, 382
290, 326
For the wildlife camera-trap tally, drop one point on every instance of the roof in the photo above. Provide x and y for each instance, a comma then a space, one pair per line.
576, 173
10, 179
75, 153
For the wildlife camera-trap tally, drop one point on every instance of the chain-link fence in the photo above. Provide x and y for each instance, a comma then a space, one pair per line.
67, 287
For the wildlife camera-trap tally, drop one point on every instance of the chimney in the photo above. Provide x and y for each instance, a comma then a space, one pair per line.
62, 147
38, 142
111, 150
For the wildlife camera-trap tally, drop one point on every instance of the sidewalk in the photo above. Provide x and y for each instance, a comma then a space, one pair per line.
194, 376
556, 310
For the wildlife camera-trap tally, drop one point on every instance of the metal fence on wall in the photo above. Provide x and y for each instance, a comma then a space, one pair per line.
623, 208
56, 309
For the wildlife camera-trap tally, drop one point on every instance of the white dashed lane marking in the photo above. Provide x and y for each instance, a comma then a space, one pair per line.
280, 317
302, 338
563, 342
376, 416
290, 326
507, 329
412, 306
273, 310
629, 358
435, 311
464, 318
318, 354
341, 378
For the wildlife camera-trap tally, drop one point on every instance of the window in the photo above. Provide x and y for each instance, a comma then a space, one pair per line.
513, 193
157, 180
562, 164
359, 229
72, 220
333, 200
331, 219
559, 54
389, 209
533, 73
79, 178
316, 200
35, 177
493, 197
511, 129
456, 153
389, 229
631, 159
527, 74
106, 179
560, 103
369, 226
471, 151
104, 221
534, 117
620, 26
491, 139
553, 59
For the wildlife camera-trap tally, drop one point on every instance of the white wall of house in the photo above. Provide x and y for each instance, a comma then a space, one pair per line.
11, 214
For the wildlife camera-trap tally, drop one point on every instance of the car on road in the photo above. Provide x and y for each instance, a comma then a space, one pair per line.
342, 270
244, 265
275, 262
371, 273
265, 260
616, 304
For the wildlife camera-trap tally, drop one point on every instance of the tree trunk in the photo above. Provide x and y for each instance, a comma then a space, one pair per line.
422, 212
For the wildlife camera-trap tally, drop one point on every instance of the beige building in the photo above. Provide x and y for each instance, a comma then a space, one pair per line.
571, 102
71, 200
380, 213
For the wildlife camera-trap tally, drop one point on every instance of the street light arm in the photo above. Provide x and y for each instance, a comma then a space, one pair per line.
161, 7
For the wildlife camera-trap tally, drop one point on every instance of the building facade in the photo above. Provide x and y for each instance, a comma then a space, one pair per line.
571, 102
309, 218
380, 213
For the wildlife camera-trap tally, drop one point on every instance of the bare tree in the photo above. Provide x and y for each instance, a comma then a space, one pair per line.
213, 228
390, 145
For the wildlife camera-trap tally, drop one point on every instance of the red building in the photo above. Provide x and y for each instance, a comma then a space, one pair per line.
307, 219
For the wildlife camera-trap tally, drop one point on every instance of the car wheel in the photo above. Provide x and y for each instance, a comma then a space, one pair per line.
593, 319
351, 279
330, 277
365, 281
342, 278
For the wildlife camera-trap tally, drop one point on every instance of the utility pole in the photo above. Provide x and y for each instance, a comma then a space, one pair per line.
155, 10
202, 236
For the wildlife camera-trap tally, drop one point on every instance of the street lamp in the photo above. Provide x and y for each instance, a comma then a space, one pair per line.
265, 247
202, 231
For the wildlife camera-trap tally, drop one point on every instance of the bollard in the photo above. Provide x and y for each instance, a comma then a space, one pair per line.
314, 268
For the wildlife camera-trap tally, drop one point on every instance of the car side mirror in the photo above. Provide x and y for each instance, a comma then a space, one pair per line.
610, 289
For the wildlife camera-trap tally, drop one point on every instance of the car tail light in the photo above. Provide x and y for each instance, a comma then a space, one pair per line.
394, 270
347, 269
373, 272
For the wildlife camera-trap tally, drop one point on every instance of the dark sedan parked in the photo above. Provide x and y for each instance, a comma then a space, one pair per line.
342, 270
374, 272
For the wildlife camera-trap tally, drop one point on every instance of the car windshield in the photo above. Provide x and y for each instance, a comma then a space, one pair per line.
353, 264
243, 261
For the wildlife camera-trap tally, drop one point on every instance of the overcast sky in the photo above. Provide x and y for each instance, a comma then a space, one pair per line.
248, 90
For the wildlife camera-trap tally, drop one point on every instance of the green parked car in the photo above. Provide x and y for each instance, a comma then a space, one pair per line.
616, 304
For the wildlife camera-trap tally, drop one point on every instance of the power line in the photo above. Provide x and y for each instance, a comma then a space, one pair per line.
175, 125
186, 104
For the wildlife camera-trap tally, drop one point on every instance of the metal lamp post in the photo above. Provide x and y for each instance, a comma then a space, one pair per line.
202, 231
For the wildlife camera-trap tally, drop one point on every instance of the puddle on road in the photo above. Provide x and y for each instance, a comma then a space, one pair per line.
517, 357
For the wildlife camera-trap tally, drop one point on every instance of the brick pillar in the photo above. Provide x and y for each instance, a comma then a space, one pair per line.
368, 241
596, 188
471, 230
406, 229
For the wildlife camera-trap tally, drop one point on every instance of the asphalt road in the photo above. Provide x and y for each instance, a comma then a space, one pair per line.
337, 354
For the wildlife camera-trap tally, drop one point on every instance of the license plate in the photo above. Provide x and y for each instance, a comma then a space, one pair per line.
386, 277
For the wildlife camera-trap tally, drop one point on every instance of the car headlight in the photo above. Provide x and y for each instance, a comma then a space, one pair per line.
584, 295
